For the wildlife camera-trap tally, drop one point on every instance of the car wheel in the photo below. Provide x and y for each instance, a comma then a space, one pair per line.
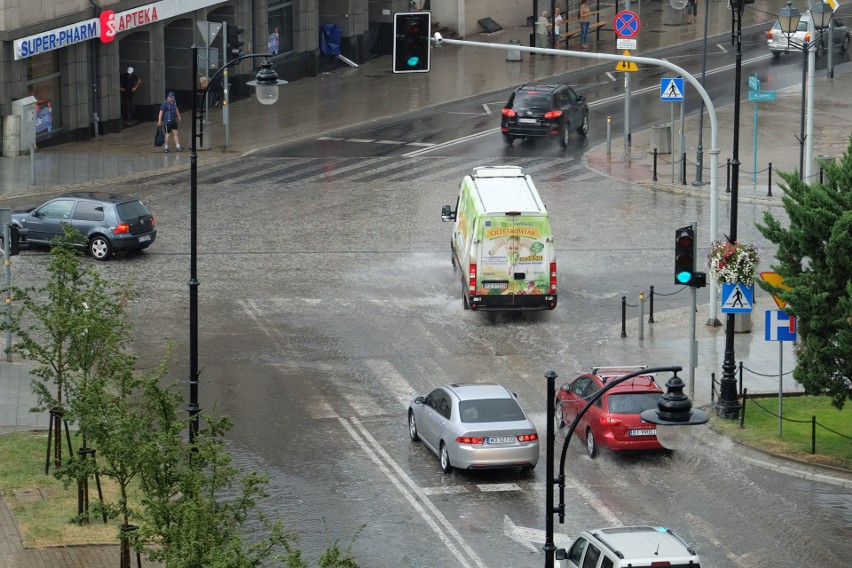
412, 427
100, 248
508, 139
558, 419
446, 467
566, 135
584, 126
591, 445
776, 54
844, 47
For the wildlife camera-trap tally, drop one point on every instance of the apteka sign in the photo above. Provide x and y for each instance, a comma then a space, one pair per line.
106, 26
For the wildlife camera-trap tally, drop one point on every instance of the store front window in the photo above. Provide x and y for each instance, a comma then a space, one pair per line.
43, 84
280, 23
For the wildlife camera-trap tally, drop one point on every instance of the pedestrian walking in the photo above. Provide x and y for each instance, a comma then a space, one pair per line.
691, 11
542, 25
557, 27
585, 17
127, 84
168, 119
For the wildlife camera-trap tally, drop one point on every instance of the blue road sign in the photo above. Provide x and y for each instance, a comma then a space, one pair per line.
737, 298
753, 83
626, 24
780, 326
671, 89
758, 96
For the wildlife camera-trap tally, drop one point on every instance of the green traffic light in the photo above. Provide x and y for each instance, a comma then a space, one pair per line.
413, 61
684, 277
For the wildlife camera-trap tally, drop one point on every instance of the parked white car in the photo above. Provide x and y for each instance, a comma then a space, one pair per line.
778, 42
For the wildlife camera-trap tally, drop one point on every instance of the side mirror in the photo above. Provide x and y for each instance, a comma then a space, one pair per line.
447, 214
561, 558
419, 400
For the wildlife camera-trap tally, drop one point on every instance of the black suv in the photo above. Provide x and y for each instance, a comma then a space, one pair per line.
110, 222
544, 110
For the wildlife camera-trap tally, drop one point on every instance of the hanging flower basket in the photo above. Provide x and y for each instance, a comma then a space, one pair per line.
732, 262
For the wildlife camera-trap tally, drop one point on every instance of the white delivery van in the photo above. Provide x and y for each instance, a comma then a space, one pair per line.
502, 242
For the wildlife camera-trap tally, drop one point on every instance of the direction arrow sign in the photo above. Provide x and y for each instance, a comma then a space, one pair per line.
626, 65
780, 326
753, 83
759, 96
626, 24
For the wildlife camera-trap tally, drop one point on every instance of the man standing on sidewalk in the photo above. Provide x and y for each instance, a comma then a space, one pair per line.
128, 83
168, 119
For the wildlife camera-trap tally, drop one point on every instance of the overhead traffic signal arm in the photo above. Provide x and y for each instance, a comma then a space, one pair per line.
412, 48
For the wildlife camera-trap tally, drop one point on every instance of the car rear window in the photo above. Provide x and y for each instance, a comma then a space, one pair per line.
531, 101
132, 210
491, 410
633, 402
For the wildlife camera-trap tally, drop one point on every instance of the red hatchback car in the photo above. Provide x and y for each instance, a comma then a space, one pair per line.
613, 420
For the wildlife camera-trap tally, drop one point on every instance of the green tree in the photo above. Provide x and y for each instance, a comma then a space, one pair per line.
815, 260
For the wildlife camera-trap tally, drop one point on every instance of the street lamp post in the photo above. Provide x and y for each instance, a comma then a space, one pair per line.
727, 406
674, 410
266, 89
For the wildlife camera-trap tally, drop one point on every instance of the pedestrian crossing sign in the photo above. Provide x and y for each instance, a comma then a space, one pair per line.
737, 298
671, 89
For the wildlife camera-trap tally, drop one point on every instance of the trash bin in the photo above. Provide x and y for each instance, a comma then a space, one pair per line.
661, 138
514, 54
672, 16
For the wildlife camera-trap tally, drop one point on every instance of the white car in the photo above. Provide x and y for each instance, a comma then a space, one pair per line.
635, 547
778, 42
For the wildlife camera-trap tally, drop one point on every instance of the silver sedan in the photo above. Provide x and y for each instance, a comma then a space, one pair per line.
474, 426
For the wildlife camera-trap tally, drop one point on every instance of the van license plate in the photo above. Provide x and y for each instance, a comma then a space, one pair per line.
527, 120
648, 432
495, 285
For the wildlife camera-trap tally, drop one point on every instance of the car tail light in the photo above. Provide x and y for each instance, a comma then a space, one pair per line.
808, 37
551, 114
608, 420
474, 440
552, 277
528, 437
152, 221
121, 229
769, 34
472, 279
508, 112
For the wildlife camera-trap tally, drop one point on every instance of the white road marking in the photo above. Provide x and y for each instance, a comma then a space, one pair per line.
444, 490
424, 144
395, 142
330, 138
529, 535
361, 140
610, 75
499, 487
418, 499
391, 379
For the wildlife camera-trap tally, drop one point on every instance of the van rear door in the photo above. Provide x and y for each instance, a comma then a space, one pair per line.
515, 255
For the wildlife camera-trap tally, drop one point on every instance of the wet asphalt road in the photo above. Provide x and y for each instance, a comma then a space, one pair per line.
328, 301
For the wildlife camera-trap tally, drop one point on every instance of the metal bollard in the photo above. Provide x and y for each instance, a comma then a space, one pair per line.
728, 177
683, 169
655, 166
641, 315
608, 135
769, 193
32, 165
651, 312
624, 316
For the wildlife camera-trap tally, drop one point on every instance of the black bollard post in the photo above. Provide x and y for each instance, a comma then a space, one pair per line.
651, 313
728, 178
624, 316
683, 169
769, 193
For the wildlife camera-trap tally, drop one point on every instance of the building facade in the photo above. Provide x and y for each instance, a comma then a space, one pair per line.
68, 55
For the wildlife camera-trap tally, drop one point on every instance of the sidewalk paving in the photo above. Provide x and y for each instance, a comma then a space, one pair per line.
349, 96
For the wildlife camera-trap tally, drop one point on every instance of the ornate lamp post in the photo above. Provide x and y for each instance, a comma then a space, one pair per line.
266, 88
674, 410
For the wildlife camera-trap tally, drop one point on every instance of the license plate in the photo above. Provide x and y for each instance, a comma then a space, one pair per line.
500, 440
648, 432
144, 238
495, 285
527, 120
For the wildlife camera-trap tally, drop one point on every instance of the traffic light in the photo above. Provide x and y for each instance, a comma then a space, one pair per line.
235, 41
411, 47
684, 256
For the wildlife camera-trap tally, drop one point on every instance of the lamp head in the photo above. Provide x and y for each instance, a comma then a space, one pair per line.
821, 14
673, 412
266, 84
789, 18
